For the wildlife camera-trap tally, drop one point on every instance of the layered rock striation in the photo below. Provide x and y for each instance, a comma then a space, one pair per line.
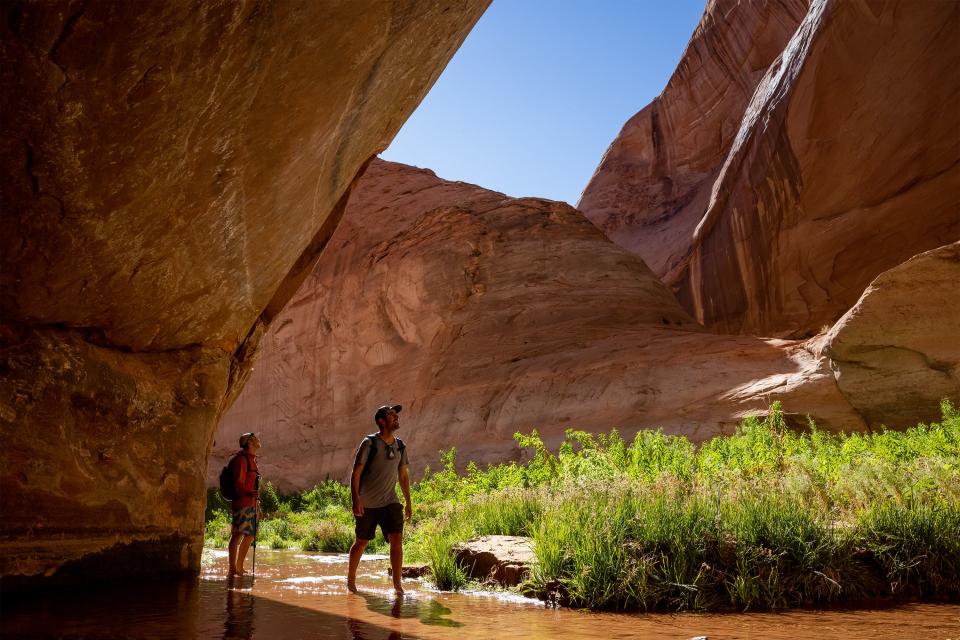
485, 315
171, 172
845, 163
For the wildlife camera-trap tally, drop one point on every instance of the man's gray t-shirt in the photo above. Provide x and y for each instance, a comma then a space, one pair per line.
378, 486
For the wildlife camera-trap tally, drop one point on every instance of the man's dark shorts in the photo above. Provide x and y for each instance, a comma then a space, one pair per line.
390, 519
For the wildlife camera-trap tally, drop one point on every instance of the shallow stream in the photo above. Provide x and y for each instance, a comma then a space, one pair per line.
303, 595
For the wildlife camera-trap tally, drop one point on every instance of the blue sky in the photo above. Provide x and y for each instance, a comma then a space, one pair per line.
540, 88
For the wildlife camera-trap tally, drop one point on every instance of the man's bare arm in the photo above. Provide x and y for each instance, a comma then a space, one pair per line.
355, 489
405, 487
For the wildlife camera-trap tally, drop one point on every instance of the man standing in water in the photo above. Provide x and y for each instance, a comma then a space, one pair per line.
380, 462
246, 507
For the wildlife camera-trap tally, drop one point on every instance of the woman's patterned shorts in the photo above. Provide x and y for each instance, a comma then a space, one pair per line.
244, 521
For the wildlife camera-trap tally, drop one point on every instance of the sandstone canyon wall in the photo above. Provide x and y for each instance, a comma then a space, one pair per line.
171, 170
653, 184
844, 163
485, 315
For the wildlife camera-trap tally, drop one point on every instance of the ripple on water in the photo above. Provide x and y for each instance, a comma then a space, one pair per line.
338, 558
212, 555
507, 597
309, 579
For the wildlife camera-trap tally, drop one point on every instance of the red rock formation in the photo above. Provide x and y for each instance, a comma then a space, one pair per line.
896, 353
653, 184
171, 171
852, 129
485, 315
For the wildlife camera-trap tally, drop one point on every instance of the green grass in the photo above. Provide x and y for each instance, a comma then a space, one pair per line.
769, 518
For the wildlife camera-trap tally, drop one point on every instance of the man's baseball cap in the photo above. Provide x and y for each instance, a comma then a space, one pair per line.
382, 411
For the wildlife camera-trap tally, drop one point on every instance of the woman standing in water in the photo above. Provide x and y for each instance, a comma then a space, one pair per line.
246, 506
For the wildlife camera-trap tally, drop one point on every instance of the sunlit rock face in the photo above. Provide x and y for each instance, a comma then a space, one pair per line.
485, 315
171, 170
896, 353
845, 163
653, 184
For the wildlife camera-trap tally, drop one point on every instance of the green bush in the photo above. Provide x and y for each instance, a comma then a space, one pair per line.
218, 529
327, 535
215, 505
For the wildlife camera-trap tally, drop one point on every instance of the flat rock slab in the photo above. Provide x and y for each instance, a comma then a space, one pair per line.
501, 559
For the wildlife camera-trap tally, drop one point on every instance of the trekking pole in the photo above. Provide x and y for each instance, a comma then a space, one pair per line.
256, 528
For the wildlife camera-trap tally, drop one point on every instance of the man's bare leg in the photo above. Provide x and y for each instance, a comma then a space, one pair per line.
234, 542
242, 553
396, 559
356, 551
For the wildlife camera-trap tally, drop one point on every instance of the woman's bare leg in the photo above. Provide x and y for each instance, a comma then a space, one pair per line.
242, 553
234, 543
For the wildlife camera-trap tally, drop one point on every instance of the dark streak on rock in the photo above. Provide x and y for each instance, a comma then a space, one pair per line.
34, 183
65, 33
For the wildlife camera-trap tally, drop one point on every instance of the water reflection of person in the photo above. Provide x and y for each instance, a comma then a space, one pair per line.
361, 630
238, 624
429, 612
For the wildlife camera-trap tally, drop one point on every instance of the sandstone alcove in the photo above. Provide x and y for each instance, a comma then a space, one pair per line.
171, 171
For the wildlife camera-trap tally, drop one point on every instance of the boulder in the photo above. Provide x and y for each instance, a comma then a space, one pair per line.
485, 315
896, 353
812, 201
171, 170
504, 560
